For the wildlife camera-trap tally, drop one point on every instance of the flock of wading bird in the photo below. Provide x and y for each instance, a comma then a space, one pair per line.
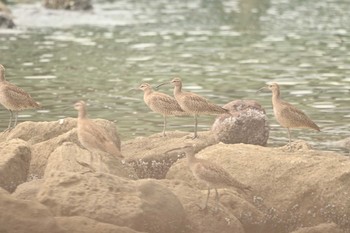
96, 138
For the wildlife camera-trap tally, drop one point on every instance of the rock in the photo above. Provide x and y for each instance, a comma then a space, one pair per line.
19, 216
223, 220
45, 137
68, 4
6, 19
292, 189
42, 151
28, 190
152, 156
143, 205
322, 228
14, 163
78, 224
71, 158
36, 132
247, 123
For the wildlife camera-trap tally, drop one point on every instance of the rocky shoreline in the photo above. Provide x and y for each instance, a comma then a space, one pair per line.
49, 183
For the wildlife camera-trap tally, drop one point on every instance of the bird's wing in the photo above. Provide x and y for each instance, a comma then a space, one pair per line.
296, 116
22, 98
200, 104
163, 103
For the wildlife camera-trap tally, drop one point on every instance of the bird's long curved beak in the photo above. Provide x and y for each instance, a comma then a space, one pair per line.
133, 89
162, 84
261, 89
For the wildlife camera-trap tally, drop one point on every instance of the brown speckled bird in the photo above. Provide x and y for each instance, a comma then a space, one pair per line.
194, 104
214, 175
161, 103
286, 114
93, 137
13, 98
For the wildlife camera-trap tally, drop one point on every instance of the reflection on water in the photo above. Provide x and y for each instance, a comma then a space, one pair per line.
223, 50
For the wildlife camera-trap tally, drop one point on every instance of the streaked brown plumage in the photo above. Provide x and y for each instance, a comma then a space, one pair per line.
13, 98
92, 136
194, 104
212, 174
161, 103
286, 114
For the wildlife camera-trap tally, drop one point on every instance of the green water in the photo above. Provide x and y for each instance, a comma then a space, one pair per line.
223, 50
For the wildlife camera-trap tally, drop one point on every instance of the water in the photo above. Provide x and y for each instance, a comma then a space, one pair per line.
223, 50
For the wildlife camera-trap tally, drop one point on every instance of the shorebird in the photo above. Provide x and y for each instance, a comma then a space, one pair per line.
13, 98
194, 104
92, 136
161, 103
286, 114
214, 175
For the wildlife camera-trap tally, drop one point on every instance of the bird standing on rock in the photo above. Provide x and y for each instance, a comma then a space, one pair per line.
13, 98
194, 104
92, 136
286, 114
212, 174
161, 103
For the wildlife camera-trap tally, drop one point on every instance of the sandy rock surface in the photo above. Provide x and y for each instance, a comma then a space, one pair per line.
143, 205
293, 189
14, 163
19, 216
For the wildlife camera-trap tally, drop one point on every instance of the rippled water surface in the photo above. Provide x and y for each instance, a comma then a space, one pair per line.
223, 50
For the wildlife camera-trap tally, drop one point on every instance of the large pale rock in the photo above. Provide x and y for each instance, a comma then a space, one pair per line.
78, 224
70, 157
19, 216
152, 156
14, 163
143, 205
293, 189
227, 219
247, 123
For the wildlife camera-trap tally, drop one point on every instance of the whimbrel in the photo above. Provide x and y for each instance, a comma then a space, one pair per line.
161, 103
13, 98
286, 114
194, 104
92, 136
212, 174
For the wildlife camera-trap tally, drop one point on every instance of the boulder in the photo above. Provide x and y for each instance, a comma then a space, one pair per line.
68, 4
72, 158
143, 205
78, 224
227, 219
6, 18
292, 189
247, 123
14, 163
20, 216
152, 156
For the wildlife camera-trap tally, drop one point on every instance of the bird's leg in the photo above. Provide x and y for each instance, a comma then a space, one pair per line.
217, 197
164, 126
9, 126
206, 201
195, 126
16, 116
290, 141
